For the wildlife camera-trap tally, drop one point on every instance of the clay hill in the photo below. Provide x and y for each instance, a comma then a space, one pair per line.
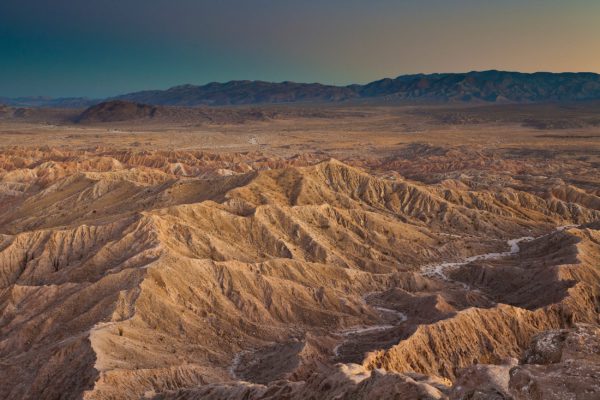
435, 273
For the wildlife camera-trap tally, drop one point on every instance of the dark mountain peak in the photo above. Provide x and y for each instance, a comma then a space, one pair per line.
116, 110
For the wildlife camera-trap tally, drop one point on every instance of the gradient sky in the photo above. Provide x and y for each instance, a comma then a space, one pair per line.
102, 48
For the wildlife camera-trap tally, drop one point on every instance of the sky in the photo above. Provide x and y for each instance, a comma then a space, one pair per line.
99, 48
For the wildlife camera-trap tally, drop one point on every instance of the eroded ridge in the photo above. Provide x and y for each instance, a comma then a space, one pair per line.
235, 276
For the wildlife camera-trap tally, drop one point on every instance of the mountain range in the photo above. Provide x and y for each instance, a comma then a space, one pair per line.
485, 86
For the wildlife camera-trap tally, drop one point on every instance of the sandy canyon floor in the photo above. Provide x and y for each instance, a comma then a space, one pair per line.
303, 253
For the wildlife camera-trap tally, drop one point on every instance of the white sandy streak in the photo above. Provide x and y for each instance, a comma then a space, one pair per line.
439, 270
400, 315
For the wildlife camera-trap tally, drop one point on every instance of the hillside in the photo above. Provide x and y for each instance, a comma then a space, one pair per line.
114, 111
191, 275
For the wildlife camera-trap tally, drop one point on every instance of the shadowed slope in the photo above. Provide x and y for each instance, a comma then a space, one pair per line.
179, 281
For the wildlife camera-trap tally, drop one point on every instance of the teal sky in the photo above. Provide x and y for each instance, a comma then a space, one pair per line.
102, 48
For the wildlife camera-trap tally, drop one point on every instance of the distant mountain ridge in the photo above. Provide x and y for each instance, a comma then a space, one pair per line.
485, 86
49, 102
489, 86
242, 92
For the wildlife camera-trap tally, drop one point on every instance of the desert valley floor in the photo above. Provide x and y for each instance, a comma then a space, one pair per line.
301, 252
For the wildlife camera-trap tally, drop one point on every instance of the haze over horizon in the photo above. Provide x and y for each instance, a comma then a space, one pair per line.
69, 48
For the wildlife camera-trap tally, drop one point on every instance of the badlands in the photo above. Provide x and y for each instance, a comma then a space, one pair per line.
300, 252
